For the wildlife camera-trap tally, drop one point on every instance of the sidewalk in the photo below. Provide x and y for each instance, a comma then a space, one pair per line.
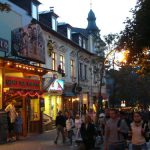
43, 141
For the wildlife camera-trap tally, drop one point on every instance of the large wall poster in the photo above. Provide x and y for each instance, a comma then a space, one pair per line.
28, 42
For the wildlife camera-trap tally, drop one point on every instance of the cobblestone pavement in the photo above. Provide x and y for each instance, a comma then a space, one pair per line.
43, 141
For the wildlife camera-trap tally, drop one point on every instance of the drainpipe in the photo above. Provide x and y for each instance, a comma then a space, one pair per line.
78, 85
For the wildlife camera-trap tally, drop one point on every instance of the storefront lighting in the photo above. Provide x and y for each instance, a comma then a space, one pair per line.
77, 98
23, 94
123, 103
8, 63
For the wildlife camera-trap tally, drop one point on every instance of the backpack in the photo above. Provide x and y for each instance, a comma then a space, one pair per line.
145, 126
125, 134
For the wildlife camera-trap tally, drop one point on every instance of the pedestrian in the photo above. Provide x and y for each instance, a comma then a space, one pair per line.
77, 127
11, 117
18, 125
101, 124
88, 133
69, 127
60, 125
138, 131
114, 138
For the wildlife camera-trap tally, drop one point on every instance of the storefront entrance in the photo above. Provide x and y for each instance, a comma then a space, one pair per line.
30, 110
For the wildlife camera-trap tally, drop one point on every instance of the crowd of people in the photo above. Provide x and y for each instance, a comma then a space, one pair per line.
114, 129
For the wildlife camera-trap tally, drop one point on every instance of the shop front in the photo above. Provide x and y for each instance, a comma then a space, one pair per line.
71, 101
22, 83
53, 102
22, 53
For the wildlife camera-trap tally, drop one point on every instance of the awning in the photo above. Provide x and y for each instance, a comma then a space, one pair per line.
69, 91
69, 94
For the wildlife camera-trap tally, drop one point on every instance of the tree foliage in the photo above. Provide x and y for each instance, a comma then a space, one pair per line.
136, 37
4, 7
130, 86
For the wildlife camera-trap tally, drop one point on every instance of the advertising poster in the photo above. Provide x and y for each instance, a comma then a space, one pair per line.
28, 43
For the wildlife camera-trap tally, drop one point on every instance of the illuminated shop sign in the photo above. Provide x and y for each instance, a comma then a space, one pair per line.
57, 85
3, 45
22, 83
28, 42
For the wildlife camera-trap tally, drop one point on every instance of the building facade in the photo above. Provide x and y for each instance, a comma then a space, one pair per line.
57, 64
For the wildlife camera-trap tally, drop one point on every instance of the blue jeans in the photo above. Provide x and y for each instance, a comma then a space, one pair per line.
139, 147
117, 146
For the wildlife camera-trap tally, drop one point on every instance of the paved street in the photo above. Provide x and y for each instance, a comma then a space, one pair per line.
43, 141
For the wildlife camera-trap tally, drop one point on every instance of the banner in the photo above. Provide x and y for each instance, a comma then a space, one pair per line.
28, 42
21, 83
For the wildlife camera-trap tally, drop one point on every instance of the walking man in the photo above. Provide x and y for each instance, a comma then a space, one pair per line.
60, 125
114, 135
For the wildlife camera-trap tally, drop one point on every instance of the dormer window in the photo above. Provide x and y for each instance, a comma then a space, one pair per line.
54, 23
80, 41
34, 11
68, 33
84, 44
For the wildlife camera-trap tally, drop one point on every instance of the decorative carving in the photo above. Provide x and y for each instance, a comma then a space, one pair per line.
73, 53
62, 48
50, 47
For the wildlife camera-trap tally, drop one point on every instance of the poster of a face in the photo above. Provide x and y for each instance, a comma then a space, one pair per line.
28, 43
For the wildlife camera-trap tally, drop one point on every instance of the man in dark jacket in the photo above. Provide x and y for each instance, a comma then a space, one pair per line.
60, 125
88, 133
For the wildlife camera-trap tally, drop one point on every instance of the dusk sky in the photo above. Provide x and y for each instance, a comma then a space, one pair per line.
110, 14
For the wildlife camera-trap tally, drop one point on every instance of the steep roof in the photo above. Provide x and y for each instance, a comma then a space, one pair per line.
92, 22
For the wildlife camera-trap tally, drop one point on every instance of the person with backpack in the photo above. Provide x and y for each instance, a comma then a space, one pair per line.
138, 132
114, 138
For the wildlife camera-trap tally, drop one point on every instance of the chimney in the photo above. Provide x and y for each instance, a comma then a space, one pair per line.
51, 9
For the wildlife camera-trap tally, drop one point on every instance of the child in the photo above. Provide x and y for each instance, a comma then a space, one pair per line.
18, 125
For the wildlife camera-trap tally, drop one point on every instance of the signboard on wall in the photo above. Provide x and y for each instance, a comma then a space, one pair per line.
21, 83
3, 45
28, 42
56, 85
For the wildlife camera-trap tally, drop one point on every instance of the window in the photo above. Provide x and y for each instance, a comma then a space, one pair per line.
62, 63
80, 41
54, 23
81, 73
69, 33
72, 69
34, 110
53, 61
85, 72
34, 11
84, 44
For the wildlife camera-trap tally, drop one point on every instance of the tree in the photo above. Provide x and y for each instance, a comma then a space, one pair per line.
130, 86
4, 7
135, 37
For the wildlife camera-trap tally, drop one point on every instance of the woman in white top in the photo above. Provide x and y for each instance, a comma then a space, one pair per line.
77, 127
69, 127
137, 132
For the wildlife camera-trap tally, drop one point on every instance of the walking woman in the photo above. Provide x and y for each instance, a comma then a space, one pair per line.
137, 132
